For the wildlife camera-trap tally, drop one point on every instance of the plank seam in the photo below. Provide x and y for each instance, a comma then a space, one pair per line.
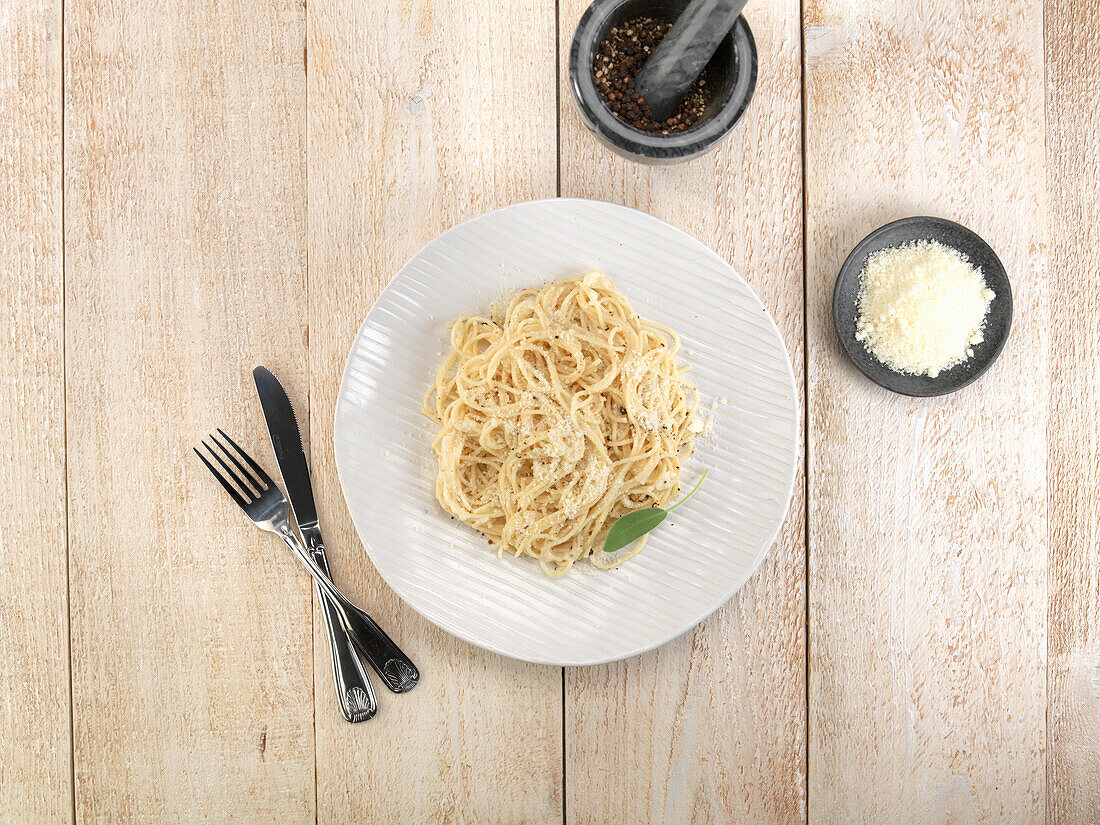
65, 439
805, 414
309, 406
1048, 800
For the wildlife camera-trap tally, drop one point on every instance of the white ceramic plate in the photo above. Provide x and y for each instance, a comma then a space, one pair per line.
693, 562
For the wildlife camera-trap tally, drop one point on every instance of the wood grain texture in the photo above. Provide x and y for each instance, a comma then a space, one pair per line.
185, 266
934, 523
35, 747
1073, 180
928, 518
710, 727
419, 117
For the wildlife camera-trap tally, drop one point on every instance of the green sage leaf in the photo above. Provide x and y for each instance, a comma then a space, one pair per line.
631, 527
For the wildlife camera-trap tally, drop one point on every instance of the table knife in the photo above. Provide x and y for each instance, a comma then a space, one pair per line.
395, 669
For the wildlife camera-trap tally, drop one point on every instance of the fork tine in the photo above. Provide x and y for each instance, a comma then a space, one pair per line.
246, 491
264, 477
255, 484
229, 488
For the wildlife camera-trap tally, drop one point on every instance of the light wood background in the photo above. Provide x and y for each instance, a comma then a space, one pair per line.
187, 190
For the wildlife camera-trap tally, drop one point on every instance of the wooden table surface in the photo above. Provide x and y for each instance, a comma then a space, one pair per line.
187, 190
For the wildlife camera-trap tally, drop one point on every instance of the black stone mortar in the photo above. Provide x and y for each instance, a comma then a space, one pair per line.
731, 76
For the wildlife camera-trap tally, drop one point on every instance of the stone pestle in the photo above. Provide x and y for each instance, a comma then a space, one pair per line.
684, 53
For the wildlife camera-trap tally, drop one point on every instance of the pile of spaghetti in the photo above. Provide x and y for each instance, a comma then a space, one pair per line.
558, 416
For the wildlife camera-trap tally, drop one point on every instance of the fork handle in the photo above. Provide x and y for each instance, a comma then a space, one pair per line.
394, 668
353, 688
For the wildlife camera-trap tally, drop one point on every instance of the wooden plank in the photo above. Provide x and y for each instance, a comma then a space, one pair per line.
1073, 172
928, 518
185, 265
710, 727
421, 114
35, 744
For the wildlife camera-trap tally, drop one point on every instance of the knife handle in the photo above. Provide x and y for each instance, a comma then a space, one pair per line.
396, 670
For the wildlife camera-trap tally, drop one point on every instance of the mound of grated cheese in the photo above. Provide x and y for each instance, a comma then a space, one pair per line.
921, 307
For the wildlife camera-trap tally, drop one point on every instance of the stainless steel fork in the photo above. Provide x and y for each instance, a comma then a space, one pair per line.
265, 504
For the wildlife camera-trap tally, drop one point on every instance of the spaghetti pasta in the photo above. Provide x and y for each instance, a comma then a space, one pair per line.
558, 416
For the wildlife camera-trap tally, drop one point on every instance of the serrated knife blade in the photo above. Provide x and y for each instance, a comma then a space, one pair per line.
286, 440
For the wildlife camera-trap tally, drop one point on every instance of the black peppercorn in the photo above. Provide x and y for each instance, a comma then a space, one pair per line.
620, 57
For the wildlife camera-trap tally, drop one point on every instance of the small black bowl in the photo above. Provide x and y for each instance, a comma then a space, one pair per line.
997, 322
731, 71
